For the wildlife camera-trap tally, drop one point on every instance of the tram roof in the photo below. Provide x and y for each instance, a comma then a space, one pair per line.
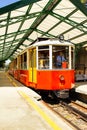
25, 20
52, 42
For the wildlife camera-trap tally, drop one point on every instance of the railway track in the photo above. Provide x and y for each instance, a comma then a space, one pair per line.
73, 113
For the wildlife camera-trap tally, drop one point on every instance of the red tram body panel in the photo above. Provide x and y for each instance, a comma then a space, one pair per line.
24, 76
50, 80
17, 74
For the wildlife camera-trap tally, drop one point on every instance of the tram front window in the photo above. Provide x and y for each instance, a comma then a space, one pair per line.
43, 57
60, 57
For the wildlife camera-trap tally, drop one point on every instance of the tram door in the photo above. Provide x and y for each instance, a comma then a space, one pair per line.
32, 65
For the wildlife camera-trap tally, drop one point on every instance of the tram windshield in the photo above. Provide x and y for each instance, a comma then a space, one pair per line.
62, 57
43, 57
55, 57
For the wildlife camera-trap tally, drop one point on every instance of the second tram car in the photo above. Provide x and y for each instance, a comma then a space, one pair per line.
36, 66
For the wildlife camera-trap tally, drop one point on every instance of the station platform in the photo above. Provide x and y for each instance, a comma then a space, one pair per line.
82, 89
22, 109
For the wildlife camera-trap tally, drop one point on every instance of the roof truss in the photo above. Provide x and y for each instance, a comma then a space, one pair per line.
24, 21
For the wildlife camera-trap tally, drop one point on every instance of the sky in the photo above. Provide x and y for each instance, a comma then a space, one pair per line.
7, 2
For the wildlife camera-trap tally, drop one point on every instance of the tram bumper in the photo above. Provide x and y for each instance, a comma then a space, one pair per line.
62, 93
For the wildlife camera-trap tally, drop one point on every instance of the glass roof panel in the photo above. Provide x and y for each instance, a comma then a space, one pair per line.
2, 17
7, 45
18, 50
3, 23
2, 31
78, 17
19, 36
26, 42
16, 53
1, 37
80, 39
85, 24
9, 39
22, 47
38, 6
64, 8
19, 12
34, 35
72, 33
48, 23
27, 23
60, 28
15, 43
13, 28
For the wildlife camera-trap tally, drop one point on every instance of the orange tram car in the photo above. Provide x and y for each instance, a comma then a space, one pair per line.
36, 66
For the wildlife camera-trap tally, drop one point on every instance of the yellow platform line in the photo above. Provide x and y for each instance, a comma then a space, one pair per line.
11, 80
39, 110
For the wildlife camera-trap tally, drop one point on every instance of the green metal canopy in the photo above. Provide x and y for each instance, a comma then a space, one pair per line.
24, 21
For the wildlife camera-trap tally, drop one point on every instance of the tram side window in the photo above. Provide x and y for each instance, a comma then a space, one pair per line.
60, 57
72, 58
43, 57
24, 61
21, 61
15, 63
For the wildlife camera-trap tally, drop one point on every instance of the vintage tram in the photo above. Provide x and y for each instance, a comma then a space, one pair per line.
36, 66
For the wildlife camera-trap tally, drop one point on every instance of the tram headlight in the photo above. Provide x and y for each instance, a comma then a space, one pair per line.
61, 38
